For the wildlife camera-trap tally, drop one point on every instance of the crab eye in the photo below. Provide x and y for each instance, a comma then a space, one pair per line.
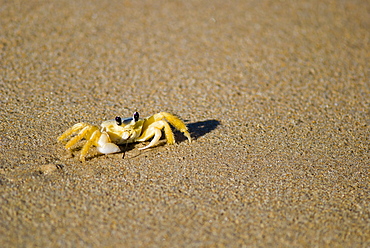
118, 120
136, 116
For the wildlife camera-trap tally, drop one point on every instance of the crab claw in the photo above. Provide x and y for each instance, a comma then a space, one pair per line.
105, 145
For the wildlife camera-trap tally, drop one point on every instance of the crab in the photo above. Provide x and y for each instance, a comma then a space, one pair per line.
113, 133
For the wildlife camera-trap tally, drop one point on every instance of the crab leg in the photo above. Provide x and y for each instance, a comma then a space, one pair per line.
75, 128
177, 123
154, 141
78, 137
155, 129
88, 144
174, 121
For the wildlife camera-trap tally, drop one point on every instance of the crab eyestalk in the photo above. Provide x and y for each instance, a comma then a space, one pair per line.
118, 120
136, 116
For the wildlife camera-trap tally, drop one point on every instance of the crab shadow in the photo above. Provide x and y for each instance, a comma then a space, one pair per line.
198, 129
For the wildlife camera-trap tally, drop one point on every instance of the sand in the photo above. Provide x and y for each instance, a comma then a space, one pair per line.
276, 95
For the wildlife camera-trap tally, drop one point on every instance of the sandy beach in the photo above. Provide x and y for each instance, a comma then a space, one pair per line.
276, 96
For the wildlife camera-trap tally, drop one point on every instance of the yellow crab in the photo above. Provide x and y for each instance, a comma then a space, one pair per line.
122, 131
